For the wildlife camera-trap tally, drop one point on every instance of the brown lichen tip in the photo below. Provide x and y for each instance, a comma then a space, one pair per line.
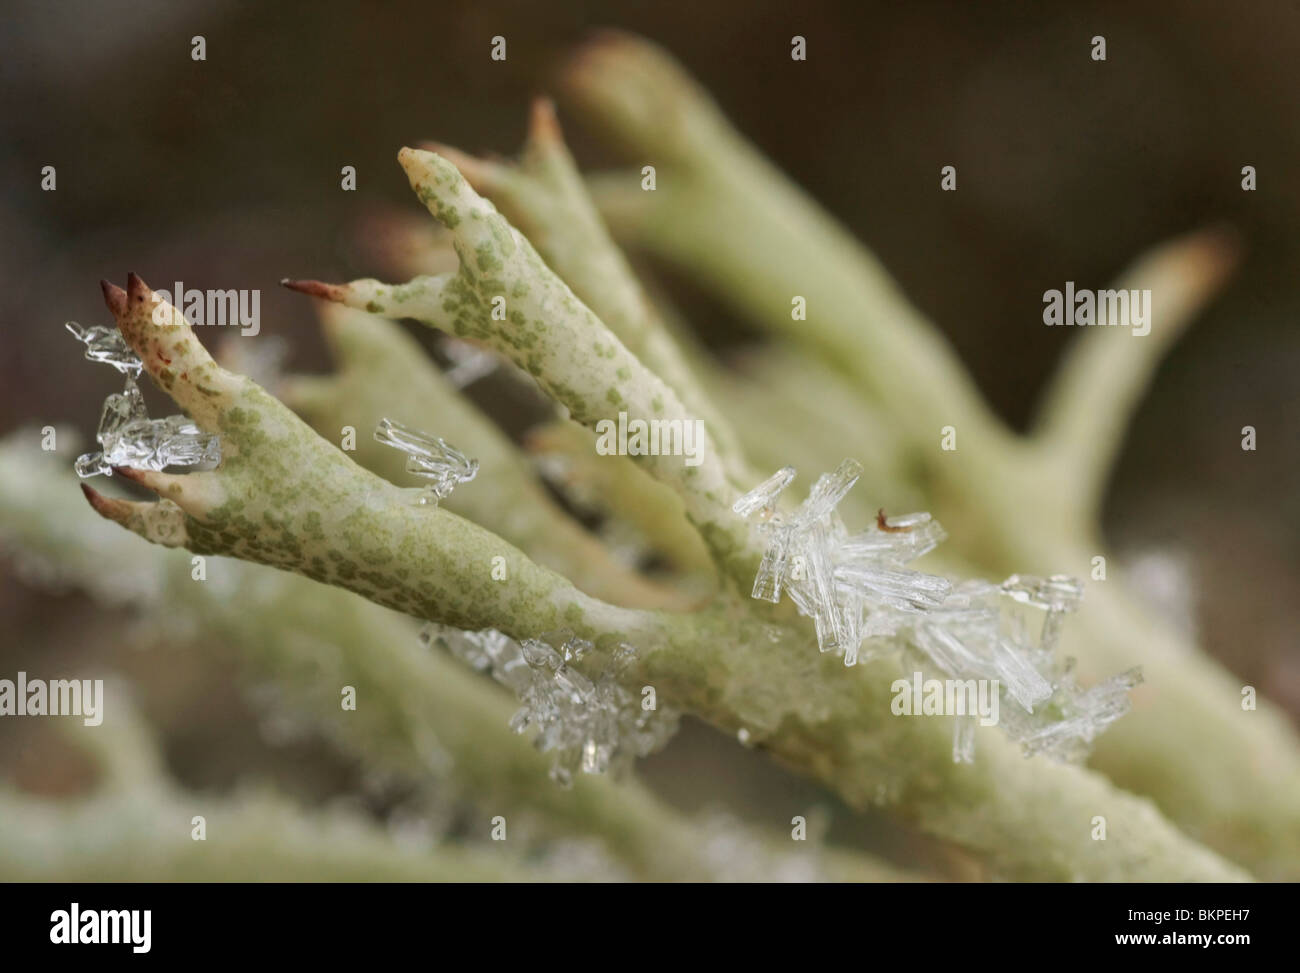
543, 124
316, 288
114, 297
137, 291
136, 321
106, 507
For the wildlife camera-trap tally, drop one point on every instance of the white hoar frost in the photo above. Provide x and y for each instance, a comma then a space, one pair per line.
865, 603
126, 434
427, 456
593, 725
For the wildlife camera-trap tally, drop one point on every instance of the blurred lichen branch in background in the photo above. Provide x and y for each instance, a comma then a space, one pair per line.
728, 218
426, 724
529, 585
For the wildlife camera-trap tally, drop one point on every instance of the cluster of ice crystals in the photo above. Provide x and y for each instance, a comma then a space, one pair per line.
443, 465
126, 434
841, 580
978, 633
865, 602
593, 724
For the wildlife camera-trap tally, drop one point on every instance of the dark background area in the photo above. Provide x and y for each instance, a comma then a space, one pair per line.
225, 173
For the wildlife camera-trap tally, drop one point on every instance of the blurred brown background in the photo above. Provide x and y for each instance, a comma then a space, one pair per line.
225, 173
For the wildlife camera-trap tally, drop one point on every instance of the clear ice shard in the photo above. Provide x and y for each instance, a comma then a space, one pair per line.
586, 717
763, 497
149, 444
126, 434
864, 602
155, 444
1059, 594
443, 465
108, 346
767, 582
1085, 713
828, 491
128, 437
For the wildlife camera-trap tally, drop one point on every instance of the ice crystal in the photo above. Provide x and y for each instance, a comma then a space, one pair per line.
763, 497
108, 346
126, 434
430, 457
865, 602
592, 724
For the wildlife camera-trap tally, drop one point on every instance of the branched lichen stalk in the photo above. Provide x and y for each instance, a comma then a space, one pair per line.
384, 373
267, 503
546, 198
417, 709
732, 221
543, 327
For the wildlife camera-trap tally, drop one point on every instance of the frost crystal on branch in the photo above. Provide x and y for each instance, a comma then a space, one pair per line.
430, 457
108, 346
763, 497
865, 602
593, 725
127, 435
842, 581
1058, 595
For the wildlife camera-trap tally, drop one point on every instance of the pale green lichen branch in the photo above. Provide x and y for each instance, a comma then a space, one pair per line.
283, 496
1090, 403
542, 326
383, 372
545, 197
138, 826
267, 502
420, 715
